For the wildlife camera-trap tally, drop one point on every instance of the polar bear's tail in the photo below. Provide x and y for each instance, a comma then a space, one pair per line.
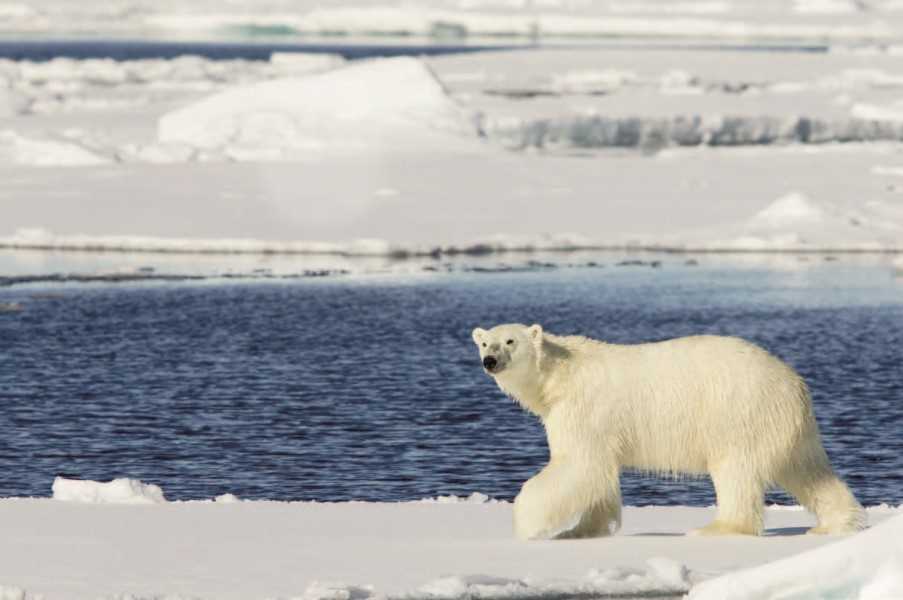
813, 483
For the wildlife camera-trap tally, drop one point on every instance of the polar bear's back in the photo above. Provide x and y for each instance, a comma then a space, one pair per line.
687, 404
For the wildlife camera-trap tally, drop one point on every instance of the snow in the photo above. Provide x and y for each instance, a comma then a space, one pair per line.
868, 566
118, 491
372, 104
121, 539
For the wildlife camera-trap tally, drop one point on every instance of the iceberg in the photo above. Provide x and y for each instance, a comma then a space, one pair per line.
381, 104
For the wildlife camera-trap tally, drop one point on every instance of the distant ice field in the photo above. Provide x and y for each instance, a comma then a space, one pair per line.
368, 387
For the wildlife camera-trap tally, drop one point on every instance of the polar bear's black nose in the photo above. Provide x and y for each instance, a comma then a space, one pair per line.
489, 363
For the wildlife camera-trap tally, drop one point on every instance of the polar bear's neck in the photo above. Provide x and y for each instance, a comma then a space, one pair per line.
533, 389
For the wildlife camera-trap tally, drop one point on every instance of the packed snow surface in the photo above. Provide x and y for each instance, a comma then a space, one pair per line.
122, 539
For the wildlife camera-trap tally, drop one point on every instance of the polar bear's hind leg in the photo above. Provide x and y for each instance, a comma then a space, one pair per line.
820, 491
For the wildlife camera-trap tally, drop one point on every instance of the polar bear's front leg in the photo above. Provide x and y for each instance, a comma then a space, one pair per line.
567, 500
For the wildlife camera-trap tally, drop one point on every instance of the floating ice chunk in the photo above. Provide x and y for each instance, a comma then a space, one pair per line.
10, 103
151, 597
376, 103
335, 591
16, 10
592, 82
474, 498
473, 586
162, 153
15, 593
660, 577
118, 491
21, 150
669, 572
877, 113
824, 7
867, 565
227, 499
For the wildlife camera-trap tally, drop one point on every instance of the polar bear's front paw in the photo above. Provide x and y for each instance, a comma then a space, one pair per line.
544, 531
535, 519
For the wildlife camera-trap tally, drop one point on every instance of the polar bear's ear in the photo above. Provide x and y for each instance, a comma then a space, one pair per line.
478, 335
535, 332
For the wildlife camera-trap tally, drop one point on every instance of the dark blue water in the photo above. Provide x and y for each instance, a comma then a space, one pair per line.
40, 50
369, 388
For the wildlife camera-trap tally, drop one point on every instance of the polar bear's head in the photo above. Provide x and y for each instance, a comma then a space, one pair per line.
509, 351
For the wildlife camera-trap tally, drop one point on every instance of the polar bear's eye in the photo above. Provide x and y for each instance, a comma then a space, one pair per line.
484, 344
510, 342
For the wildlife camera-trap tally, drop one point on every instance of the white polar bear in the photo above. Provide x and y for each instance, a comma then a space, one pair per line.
694, 405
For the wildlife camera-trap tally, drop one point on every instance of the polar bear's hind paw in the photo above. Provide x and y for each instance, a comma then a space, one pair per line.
723, 528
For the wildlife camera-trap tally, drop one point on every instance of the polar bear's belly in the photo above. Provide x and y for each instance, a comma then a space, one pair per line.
648, 459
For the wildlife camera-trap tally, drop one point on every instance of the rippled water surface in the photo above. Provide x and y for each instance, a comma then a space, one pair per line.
369, 387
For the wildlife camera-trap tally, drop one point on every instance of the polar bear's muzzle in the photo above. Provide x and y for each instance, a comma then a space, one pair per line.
492, 364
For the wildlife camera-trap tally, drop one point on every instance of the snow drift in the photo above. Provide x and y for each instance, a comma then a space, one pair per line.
382, 104
867, 566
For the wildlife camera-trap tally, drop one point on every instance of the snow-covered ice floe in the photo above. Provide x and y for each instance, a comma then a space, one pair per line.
118, 491
793, 222
122, 539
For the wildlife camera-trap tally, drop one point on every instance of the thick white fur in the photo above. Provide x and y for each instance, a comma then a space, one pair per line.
694, 405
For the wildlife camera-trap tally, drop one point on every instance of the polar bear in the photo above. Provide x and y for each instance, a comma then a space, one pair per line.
696, 405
